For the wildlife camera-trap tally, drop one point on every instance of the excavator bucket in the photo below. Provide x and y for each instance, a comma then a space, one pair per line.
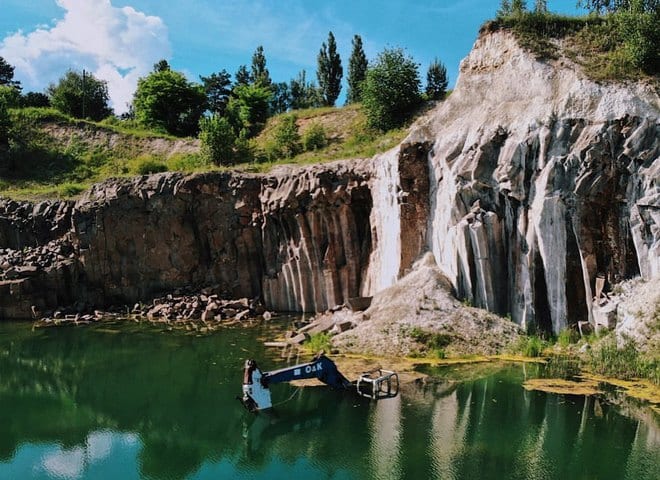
378, 384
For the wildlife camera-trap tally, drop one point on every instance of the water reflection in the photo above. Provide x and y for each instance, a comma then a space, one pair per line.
143, 404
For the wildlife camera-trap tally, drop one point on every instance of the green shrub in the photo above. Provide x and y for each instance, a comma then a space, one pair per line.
567, 336
187, 162
148, 165
70, 189
318, 342
286, 136
529, 346
390, 92
625, 363
438, 353
431, 340
314, 137
618, 45
218, 140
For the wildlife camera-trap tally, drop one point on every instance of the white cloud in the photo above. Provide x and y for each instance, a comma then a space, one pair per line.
118, 45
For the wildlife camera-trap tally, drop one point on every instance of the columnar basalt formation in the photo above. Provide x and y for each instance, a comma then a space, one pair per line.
542, 180
526, 184
299, 238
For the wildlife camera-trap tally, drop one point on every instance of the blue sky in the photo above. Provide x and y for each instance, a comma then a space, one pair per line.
120, 40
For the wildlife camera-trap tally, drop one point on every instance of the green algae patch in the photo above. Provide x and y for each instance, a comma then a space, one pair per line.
563, 387
518, 358
640, 389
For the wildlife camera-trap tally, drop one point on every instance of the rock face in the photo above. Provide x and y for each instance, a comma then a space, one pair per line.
525, 184
540, 180
297, 239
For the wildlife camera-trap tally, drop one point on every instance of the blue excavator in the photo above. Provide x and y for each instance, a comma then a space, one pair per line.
376, 384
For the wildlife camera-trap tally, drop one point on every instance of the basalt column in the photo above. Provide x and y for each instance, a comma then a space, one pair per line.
316, 239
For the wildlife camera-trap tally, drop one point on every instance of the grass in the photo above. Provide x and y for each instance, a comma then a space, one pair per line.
43, 166
529, 346
347, 136
433, 343
601, 44
48, 167
318, 342
625, 363
567, 337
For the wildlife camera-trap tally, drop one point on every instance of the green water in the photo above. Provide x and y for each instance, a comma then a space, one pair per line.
132, 402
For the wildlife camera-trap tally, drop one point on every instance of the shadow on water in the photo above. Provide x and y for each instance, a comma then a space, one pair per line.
133, 402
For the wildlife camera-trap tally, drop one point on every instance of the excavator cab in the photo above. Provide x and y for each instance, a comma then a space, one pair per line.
256, 395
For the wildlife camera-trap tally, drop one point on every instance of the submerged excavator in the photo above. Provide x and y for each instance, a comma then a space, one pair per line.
376, 384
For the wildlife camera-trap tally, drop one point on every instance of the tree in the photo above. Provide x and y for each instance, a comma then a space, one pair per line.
242, 76
639, 29
505, 9
281, 101
217, 90
259, 74
518, 7
34, 99
7, 75
329, 72
217, 137
436, 80
80, 95
166, 100
600, 6
357, 71
5, 125
541, 6
248, 109
161, 66
390, 92
11, 96
304, 94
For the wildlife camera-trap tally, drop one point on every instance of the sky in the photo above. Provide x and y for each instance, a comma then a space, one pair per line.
120, 40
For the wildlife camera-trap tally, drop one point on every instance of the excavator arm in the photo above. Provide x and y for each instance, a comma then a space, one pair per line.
256, 392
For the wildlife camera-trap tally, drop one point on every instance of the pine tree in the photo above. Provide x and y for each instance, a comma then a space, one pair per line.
329, 71
505, 9
259, 74
541, 6
518, 7
436, 80
357, 71
242, 76
217, 88
303, 94
7, 75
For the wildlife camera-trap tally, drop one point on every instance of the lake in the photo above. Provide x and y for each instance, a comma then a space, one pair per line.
139, 402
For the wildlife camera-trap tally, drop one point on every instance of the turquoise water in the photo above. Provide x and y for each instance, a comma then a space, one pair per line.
132, 402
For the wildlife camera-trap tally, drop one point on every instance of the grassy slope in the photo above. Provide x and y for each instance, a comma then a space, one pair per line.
345, 129
48, 166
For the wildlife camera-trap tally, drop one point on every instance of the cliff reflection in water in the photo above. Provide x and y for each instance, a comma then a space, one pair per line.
138, 403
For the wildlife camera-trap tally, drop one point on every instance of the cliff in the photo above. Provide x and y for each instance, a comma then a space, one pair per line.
527, 183
541, 180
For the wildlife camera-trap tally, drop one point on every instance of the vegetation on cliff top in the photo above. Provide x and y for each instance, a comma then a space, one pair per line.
250, 123
619, 40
